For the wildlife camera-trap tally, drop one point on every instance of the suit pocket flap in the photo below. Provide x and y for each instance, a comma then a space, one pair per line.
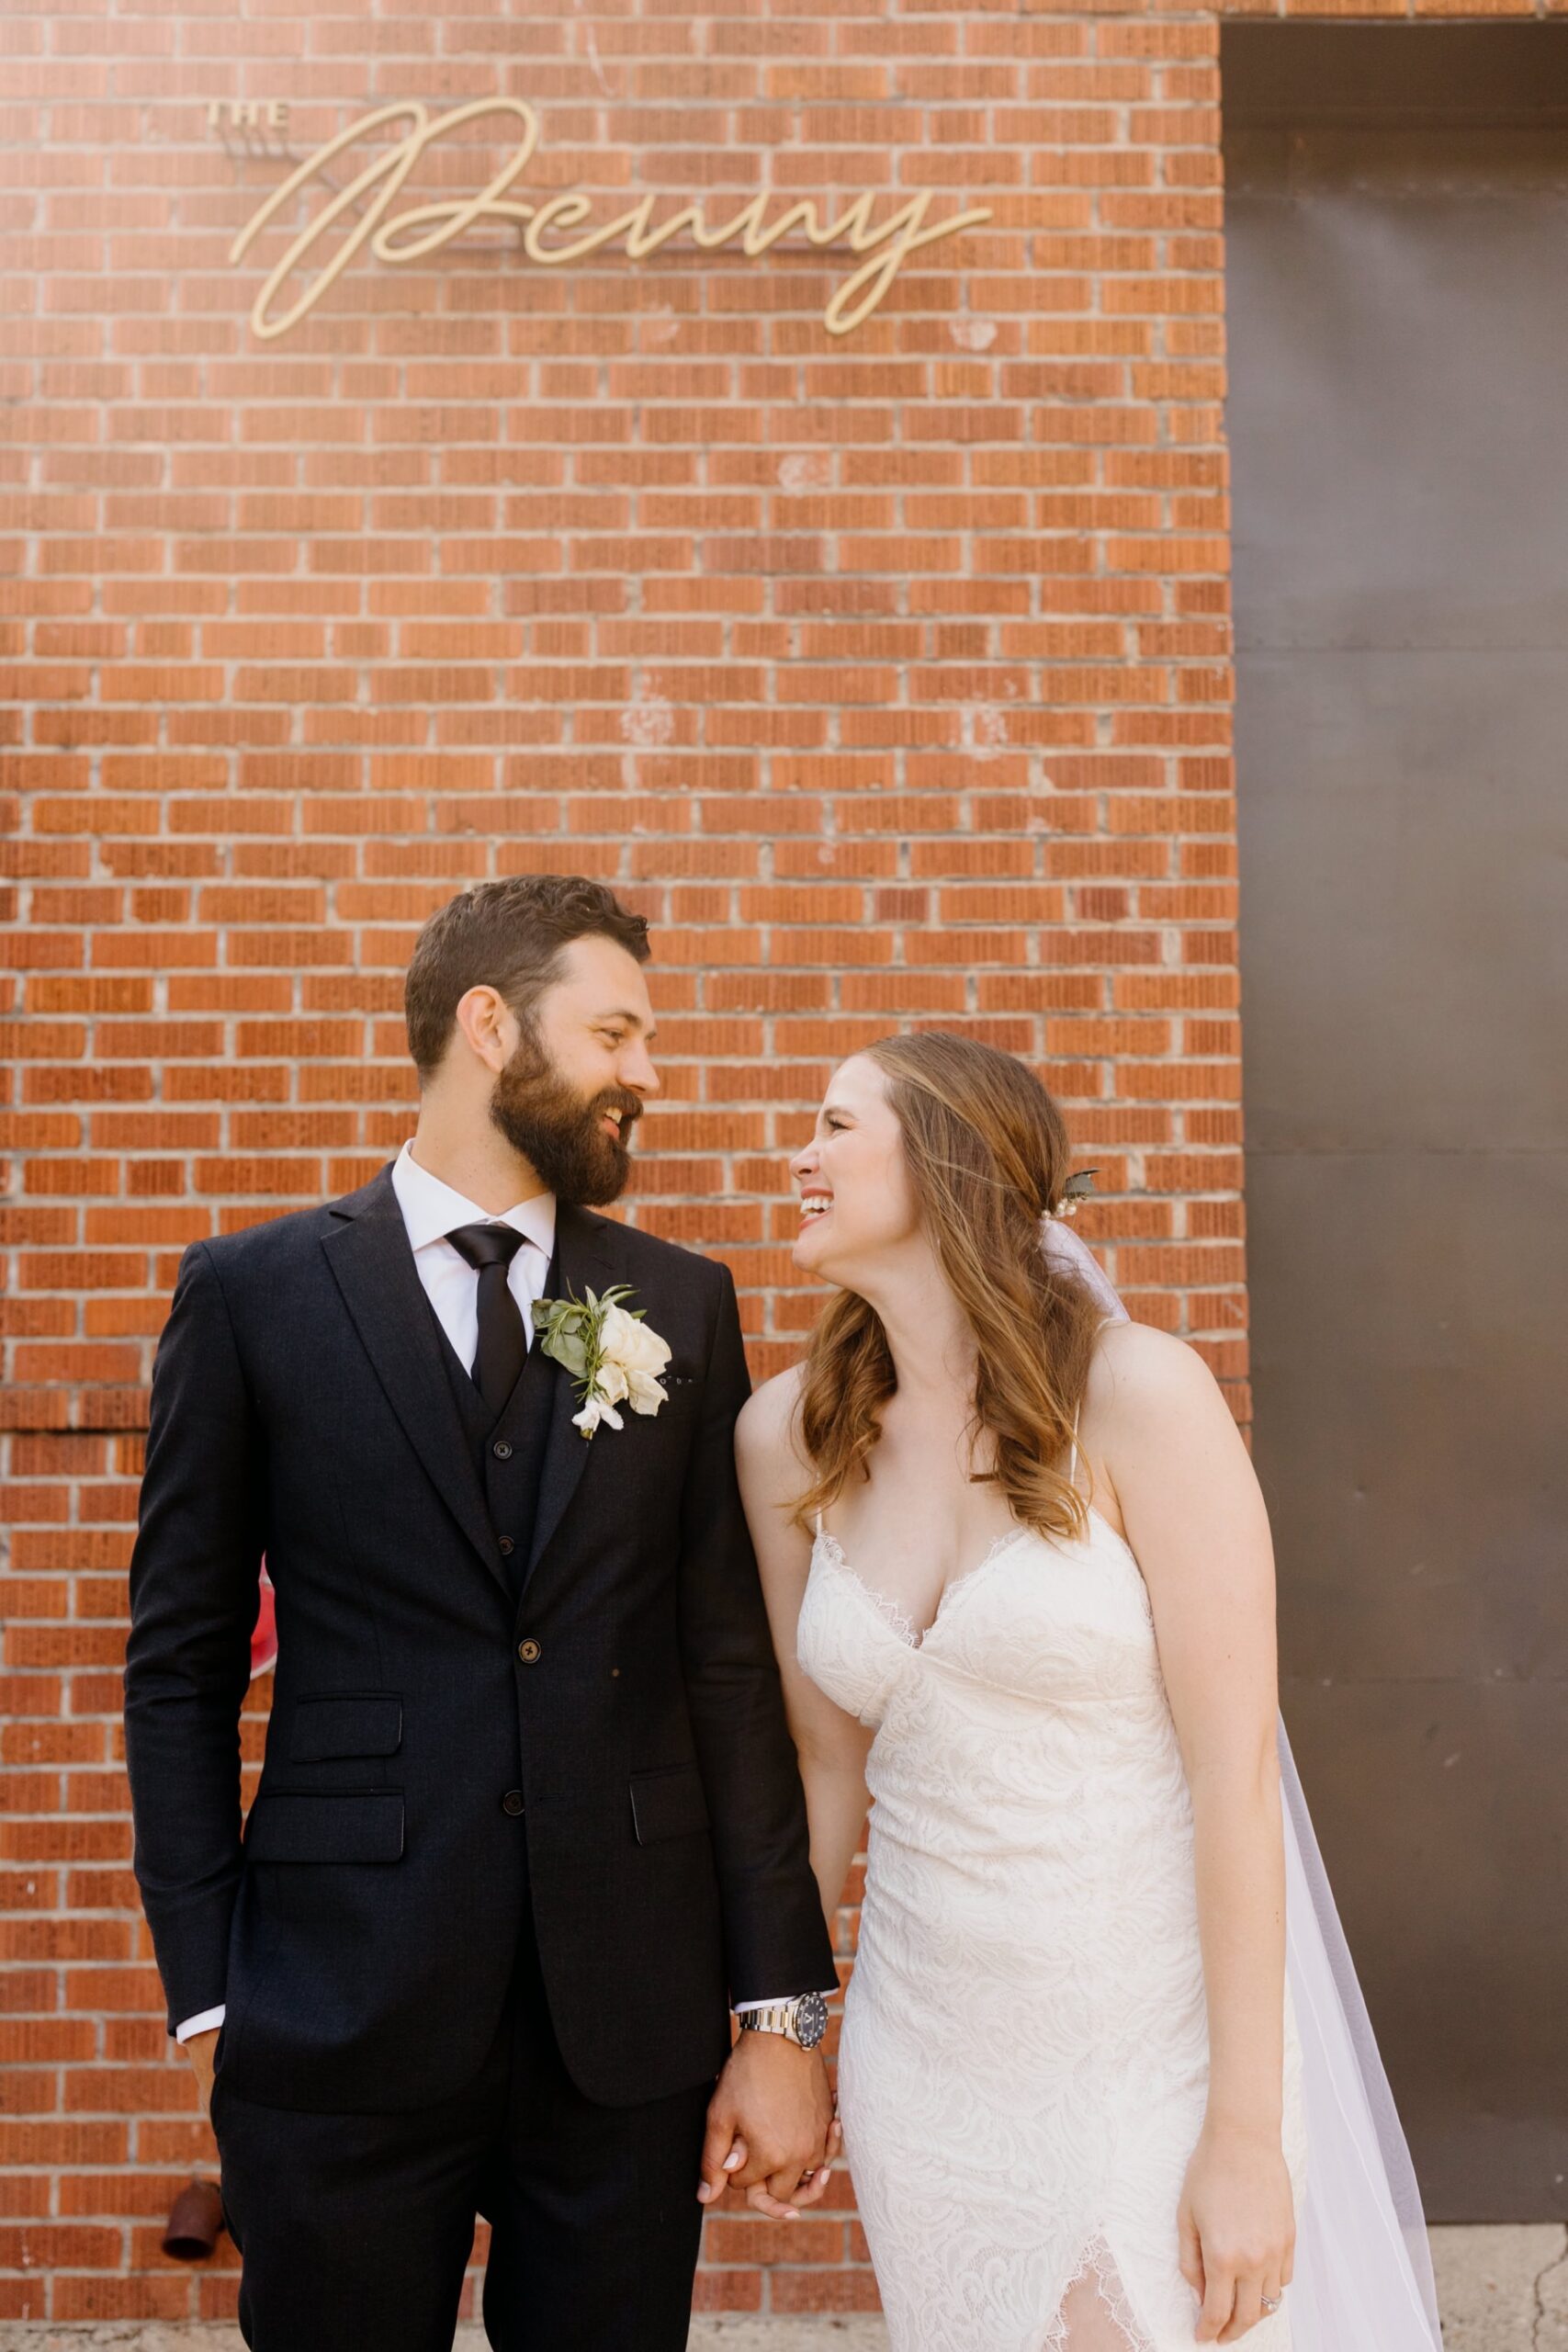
357, 1724
669, 1804
297, 1828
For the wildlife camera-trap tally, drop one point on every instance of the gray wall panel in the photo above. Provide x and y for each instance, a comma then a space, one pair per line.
1397, 227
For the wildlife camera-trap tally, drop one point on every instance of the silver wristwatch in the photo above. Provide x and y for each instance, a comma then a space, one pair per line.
803, 2019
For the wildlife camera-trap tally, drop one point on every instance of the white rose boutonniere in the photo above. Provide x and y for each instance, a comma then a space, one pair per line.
611, 1353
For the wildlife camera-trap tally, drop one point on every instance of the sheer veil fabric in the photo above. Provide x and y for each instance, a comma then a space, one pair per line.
1363, 2274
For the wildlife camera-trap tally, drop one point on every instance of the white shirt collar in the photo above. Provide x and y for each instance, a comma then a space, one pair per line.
432, 1209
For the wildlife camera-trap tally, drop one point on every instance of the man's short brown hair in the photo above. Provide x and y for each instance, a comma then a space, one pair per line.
510, 936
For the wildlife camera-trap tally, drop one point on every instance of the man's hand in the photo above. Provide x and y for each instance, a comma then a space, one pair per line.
200, 2049
770, 2121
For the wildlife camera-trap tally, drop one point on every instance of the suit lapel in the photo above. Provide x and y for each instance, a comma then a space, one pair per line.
373, 1266
585, 1245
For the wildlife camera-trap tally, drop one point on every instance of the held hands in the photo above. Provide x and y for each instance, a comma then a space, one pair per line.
1237, 2226
771, 2122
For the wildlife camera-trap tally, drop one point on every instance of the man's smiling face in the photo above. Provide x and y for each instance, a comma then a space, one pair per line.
569, 1095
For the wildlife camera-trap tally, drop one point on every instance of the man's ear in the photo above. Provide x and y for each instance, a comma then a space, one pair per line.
488, 1027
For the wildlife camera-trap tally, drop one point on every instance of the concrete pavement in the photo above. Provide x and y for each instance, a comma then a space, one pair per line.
1501, 2290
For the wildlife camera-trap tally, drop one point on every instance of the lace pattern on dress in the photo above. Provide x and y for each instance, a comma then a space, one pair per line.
1023, 2056
902, 1624
1120, 2329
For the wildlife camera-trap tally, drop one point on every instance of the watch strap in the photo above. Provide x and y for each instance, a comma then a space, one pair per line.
770, 2016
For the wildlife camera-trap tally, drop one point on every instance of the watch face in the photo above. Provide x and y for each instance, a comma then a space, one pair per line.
810, 2019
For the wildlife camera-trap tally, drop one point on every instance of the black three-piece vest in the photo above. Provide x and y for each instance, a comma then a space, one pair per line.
509, 1452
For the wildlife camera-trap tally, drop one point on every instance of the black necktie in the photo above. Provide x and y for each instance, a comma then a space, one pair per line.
503, 1344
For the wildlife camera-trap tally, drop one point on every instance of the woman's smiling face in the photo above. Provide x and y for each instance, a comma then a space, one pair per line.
857, 1202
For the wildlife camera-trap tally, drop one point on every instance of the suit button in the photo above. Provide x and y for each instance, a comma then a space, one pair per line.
502, 1451
512, 1802
507, 1545
528, 1652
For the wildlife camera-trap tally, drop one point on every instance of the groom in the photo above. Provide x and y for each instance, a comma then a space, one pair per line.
530, 1819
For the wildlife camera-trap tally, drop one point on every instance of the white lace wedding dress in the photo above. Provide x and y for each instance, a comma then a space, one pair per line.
1024, 2058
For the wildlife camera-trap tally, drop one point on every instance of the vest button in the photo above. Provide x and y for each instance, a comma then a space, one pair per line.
528, 1652
502, 1451
506, 1545
512, 1802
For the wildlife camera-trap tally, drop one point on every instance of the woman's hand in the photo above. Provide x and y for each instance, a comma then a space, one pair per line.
1238, 2225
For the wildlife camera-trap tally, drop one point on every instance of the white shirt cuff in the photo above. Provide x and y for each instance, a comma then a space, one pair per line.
742, 2007
203, 2022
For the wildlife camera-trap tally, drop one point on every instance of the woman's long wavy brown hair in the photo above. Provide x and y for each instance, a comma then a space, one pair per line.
988, 1157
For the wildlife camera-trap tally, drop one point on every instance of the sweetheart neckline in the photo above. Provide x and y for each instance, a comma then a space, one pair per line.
904, 1625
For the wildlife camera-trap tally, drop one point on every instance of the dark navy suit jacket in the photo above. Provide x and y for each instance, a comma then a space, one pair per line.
363, 1930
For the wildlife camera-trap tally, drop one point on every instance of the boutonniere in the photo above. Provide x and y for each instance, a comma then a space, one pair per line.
613, 1356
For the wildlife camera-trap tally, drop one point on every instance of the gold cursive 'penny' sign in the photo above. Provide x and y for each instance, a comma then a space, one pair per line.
547, 227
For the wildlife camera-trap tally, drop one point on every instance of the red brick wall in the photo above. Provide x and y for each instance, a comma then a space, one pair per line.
888, 674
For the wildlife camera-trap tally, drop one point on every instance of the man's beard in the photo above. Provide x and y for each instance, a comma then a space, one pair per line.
557, 1131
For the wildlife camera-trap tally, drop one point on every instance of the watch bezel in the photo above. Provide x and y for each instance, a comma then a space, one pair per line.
810, 2019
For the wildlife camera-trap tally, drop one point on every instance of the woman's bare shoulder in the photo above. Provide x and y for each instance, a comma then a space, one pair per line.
773, 1470
1138, 1370
767, 1432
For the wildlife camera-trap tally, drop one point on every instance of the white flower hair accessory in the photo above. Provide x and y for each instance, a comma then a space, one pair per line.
1075, 1192
610, 1352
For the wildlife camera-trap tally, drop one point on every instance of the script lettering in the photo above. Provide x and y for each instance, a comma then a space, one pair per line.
424, 229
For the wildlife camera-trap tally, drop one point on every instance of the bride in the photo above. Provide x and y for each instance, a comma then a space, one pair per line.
1019, 1578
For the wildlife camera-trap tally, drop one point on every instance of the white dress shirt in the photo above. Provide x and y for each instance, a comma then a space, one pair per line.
432, 1210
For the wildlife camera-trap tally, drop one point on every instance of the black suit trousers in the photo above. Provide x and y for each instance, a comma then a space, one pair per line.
355, 2228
